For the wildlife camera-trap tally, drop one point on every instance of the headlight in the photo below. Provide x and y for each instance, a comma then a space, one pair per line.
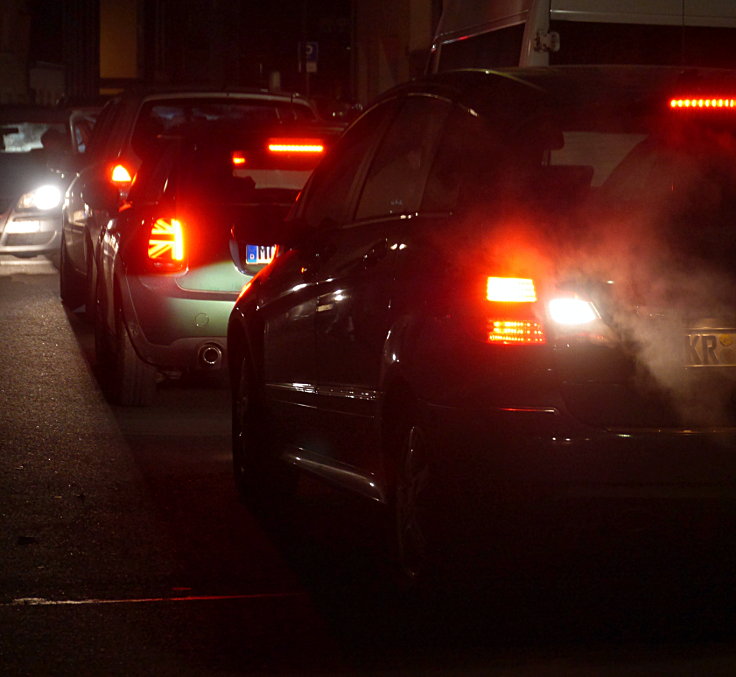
43, 197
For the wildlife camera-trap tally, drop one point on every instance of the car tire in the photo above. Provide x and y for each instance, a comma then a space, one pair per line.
132, 381
261, 481
70, 287
418, 516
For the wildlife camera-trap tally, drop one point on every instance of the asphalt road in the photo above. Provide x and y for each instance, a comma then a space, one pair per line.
123, 551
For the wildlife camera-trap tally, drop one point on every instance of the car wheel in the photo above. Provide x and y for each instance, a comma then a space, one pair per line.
70, 287
132, 381
260, 479
417, 523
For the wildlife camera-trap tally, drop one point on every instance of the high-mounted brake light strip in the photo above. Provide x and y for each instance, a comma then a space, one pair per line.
295, 146
699, 103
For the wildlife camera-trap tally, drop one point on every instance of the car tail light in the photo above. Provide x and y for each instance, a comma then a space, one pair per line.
511, 290
306, 146
515, 331
238, 158
120, 175
166, 246
512, 317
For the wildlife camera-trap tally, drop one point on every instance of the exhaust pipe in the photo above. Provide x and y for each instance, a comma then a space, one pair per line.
209, 356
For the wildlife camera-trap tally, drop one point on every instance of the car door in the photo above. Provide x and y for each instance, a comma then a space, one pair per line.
355, 284
76, 211
291, 288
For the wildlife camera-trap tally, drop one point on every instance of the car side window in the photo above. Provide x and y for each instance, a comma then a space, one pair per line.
397, 174
103, 128
328, 197
153, 177
463, 158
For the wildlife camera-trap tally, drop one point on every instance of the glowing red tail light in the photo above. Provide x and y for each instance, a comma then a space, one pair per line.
515, 331
700, 103
512, 320
238, 158
309, 146
511, 290
166, 244
120, 175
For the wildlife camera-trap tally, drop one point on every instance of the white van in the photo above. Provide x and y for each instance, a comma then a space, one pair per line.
492, 33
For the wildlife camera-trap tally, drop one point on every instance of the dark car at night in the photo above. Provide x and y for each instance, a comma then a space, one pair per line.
175, 256
502, 291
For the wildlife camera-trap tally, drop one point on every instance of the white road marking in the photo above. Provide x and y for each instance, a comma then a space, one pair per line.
41, 601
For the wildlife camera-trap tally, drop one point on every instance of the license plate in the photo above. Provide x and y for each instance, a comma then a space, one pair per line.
256, 254
712, 348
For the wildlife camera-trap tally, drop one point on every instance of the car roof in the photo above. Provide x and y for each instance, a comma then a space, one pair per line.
574, 83
156, 93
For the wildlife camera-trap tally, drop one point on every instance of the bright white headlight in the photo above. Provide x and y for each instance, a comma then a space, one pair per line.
43, 197
571, 311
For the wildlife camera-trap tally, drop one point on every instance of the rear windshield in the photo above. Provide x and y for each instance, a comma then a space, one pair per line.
159, 119
671, 171
241, 171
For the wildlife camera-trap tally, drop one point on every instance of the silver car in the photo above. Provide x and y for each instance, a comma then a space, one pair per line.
130, 127
33, 141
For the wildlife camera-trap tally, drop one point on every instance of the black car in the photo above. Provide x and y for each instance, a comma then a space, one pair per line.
502, 291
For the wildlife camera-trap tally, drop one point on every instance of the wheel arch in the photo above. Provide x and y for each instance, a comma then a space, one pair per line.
242, 342
399, 406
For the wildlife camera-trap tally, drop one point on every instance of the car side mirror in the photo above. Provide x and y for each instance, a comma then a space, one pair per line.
102, 195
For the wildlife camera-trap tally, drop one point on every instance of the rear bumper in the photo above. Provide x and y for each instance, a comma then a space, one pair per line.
177, 330
544, 453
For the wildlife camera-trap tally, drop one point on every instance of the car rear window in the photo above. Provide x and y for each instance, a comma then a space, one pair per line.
177, 117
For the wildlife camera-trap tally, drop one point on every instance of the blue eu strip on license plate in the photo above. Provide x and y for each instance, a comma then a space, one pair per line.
258, 253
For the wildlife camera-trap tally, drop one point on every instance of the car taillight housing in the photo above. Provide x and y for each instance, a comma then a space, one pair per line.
120, 176
166, 245
512, 310
516, 315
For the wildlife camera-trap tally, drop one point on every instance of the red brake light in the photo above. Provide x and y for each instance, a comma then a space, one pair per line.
511, 319
511, 290
515, 331
703, 102
296, 146
120, 175
166, 243
238, 158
